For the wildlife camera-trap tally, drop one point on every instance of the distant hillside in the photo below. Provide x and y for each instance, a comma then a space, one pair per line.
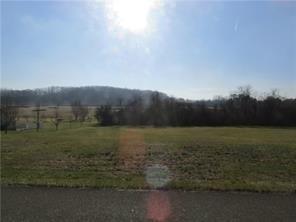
88, 95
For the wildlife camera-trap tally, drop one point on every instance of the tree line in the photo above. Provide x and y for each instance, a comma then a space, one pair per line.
239, 109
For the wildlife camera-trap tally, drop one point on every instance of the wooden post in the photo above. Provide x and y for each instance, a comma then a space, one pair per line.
38, 110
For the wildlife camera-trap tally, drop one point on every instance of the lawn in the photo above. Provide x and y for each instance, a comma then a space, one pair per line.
197, 158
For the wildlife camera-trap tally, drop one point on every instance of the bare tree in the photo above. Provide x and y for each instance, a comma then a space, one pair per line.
245, 90
83, 113
56, 119
79, 111
104, 115
275, 93
155, 109
75, 106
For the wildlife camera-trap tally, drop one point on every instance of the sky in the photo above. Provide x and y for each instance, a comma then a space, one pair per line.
190, 49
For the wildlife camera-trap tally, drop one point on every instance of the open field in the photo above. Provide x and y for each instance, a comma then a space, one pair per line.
49, 112
26, 114
201, 158
26, 118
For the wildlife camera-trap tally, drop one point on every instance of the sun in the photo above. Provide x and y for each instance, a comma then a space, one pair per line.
130, 15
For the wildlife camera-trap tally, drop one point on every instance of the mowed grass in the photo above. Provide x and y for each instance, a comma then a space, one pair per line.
198, 158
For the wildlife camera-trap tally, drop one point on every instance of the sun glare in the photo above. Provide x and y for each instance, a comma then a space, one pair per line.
131, 15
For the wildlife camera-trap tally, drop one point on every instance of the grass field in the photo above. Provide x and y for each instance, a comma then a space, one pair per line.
199, 158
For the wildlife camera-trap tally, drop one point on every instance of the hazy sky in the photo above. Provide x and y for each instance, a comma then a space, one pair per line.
187, 49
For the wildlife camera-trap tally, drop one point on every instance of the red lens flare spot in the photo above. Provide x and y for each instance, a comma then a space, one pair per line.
158, 206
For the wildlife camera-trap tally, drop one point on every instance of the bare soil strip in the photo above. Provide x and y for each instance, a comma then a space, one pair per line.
131, 149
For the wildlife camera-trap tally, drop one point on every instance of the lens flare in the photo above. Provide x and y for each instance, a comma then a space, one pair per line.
158, 206
157, 175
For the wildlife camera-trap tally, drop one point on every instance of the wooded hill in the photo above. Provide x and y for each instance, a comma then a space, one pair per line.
88, 95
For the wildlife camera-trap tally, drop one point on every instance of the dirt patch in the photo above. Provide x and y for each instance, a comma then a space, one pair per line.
132, 149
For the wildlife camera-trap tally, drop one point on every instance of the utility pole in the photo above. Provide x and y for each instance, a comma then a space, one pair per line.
38, 110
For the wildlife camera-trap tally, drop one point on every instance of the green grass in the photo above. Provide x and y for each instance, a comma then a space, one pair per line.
199, 158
